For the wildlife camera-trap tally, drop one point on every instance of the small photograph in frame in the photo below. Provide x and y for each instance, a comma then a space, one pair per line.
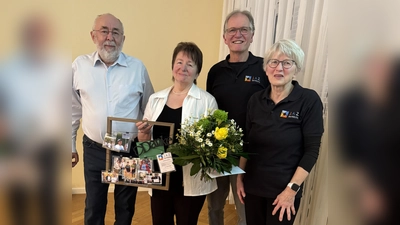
109, 177
109, 141
142, 176
118, 141
105, 177
129, 168
126, 140
146, 165
156, 178
118, 164
114, 177
148, 179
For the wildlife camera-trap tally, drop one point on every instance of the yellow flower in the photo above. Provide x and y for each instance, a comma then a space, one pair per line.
222, 152
221, 133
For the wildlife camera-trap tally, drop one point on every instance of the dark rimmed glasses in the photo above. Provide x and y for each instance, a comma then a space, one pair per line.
287, 63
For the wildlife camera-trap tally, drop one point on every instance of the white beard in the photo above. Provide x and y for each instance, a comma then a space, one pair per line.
109, 56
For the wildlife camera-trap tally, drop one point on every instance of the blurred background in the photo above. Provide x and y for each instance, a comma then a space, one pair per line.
364, 48
34, 89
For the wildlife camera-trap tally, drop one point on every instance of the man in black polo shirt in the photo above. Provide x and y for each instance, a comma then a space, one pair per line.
232, 82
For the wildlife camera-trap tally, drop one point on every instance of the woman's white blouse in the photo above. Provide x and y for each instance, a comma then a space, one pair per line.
197, 103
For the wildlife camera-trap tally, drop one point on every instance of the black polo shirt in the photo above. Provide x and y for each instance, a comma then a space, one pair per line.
281, 137
232, 85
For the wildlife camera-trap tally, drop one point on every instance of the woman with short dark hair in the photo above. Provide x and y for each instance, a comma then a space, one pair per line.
182, 101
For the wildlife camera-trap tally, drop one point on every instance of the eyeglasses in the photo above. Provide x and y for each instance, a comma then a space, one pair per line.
105, 32
243, 30
287, 63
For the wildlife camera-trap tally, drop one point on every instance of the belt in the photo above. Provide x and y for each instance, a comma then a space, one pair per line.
86, 138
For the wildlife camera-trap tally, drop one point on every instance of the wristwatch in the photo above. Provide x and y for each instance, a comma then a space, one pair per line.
295, 187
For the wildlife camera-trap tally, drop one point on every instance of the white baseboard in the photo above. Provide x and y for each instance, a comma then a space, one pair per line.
110, 190
77, 191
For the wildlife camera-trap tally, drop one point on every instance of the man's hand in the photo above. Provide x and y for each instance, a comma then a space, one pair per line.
75, 159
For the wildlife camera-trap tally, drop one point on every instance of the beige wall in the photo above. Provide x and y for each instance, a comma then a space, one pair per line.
152, 30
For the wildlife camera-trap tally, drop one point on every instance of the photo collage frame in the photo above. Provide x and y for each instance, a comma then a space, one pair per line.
132, 170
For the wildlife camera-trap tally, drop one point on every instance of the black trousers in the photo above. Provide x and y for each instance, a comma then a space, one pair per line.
166, 204
94, 161
259, 211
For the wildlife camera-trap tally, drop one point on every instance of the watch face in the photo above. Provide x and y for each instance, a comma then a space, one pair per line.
295, 187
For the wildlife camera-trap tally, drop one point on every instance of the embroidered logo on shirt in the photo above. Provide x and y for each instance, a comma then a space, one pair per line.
284, 114
291, 115
248, 78
256, 79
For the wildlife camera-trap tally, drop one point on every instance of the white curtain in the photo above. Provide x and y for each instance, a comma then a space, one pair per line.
306, 22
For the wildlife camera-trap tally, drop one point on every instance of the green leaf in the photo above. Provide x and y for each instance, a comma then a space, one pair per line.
189, 157
195, 168
226, 168
232, 160
202, 160
180, 162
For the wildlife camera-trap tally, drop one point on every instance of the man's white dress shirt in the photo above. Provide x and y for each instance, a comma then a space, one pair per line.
121, 90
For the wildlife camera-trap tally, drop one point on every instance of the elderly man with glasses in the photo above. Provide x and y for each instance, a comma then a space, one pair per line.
106, 83
232, 82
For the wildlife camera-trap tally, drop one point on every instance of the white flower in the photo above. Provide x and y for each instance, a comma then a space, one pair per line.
208, 142
209, 134
241, 143
199, 140
202, 145
240, 130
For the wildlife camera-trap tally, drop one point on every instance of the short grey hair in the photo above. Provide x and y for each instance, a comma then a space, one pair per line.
243, 12
288, 48
98, 16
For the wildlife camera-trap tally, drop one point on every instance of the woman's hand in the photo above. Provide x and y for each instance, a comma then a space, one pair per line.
240, 188
144, 126
144, 129
285, 201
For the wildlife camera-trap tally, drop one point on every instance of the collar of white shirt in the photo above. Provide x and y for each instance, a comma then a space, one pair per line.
120, 61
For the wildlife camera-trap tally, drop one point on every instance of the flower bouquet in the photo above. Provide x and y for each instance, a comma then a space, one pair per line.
212, 143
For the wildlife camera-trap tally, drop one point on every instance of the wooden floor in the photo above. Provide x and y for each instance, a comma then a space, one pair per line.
142, 214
